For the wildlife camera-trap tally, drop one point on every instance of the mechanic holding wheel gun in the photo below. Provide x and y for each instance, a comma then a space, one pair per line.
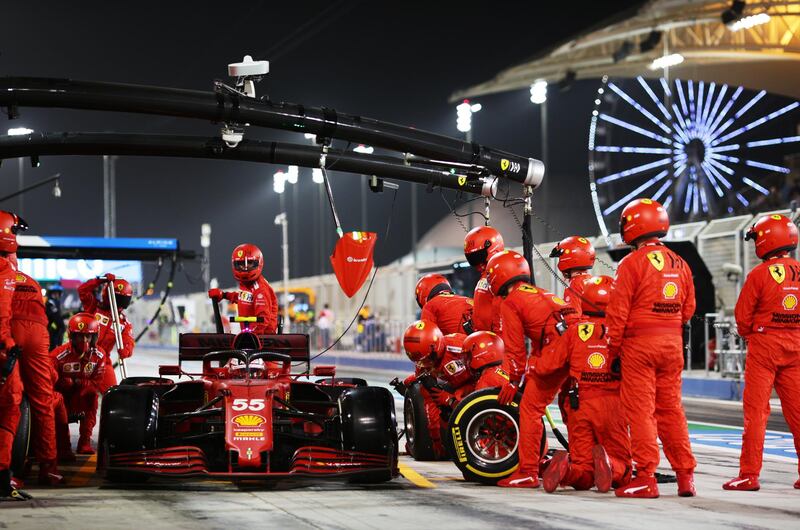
450, 312
767, 317
599, 446
10, 382
483, 354
79, 366
440, 368
255, 297
527, 311
651, 302
480, 244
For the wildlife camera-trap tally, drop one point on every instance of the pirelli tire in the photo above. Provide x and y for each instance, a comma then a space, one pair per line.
419, 442
369, 425
22, 439
484, 437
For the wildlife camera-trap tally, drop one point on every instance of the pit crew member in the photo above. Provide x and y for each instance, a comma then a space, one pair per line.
480, 244
450, 312
483, 354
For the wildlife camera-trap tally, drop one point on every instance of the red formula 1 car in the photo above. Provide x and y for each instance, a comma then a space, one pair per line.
247, 417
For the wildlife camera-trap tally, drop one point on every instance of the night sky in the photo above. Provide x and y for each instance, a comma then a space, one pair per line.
396, 62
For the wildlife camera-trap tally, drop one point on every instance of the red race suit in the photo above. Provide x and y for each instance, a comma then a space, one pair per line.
486, 307
448, 311
105, 340
256, 299
595, 378
29, 329
531, 312
11, 390
79, 380
653, 295
768, 317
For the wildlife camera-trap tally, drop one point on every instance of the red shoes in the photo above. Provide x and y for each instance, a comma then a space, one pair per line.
84, 447
49, 475
556, 471
686, 485
639, 488
603, 475
744, 483
520, 480
797, 484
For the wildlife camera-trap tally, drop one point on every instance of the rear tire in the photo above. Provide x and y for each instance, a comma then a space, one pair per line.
21, 443
415, 422
369, 426
128, 422
485, 437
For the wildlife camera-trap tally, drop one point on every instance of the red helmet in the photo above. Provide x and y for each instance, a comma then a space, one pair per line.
10, 225
643, 218
429, 286
480, 244
247, 262
505, 268
123, 292
596, 292
83, 329
773, 234
483, 348
423, 342
574, 253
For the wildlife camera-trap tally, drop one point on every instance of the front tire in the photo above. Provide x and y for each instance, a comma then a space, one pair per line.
419, 441
369, 425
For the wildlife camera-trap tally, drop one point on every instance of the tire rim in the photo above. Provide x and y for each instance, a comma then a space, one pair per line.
408, 416
492, 436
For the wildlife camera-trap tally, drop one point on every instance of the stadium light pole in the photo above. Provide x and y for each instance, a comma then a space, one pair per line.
205, 242
281, 220
538, 93
20, 131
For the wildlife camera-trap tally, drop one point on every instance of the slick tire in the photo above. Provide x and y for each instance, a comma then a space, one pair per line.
128, 422
415, 422
369, 425
159, 384
484, 437
21, 443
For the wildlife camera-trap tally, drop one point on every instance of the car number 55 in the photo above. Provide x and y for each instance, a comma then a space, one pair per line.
248, 404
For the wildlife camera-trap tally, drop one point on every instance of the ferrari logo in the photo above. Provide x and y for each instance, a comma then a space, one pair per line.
585, 331
504, 164
583, 240
777, 272
462, 180
527, 289
647, 201
789, 302
120, 287
239, 253
81, 325
420, 325
777, 217
656, 259
558, 300
597, 360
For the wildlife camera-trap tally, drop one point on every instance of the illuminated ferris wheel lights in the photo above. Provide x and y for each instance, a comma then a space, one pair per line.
719, 165
667, 202
634, 128
710, 176
742, 199
657, 195
773, 141
770, 167
633, 194
759, 121
723, 148
710, 170
638, 107
634, 170
755, 186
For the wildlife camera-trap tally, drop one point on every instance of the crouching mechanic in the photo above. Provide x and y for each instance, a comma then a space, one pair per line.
450, 312
79, 365
255, 297
483, 354
527, 312
123, 293
652, 298
480, 244
767, 317
599, 447
440, 368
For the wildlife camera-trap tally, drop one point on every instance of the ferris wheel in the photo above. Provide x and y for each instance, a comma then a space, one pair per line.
701, 149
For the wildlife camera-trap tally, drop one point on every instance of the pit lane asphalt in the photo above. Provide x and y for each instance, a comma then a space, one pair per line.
87, 502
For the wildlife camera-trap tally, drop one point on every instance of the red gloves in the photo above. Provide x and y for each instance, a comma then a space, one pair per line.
410, 380
215, 294
441, 398
507, 393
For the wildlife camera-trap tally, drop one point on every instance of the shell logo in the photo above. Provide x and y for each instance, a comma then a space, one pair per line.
596, 360
670, 290
789, 302
248, 420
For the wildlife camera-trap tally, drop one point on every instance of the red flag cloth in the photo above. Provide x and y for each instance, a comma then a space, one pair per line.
352, 260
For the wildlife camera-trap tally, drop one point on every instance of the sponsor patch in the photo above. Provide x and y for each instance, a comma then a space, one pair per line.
670, 290
778, 273
789, 302
249, 420
458, 443
585, 331
597, 360
245, 296
72, 367
454, 367
528, 289
656, 259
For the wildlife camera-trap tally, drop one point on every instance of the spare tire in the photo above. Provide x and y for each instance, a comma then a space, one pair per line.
419, 442
485, 437
21, 443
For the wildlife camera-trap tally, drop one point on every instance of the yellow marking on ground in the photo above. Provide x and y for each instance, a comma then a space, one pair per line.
86, 472
414, 477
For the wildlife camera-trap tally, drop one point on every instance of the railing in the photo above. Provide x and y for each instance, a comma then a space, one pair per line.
729, 352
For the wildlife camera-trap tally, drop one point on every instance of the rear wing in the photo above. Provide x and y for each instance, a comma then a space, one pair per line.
192, 346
